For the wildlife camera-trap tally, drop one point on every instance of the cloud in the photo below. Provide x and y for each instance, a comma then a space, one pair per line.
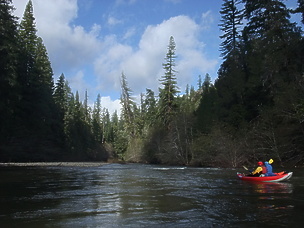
130, 32
207, 19
111, 105
114, 21
143, 64
69, 46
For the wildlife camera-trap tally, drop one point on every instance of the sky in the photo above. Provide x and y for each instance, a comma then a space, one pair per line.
93, 41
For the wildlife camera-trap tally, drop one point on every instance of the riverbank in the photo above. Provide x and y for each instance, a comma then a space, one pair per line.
63, 164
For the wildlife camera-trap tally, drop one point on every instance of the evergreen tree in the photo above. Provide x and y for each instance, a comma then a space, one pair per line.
86, 108
28, 43
199, 82
35, 76
207, 110
8, 68
150, 107
96, 120
43, 86
106, 126
231, 23
61, 93
128, 105
114, 127
271, 36
168, 93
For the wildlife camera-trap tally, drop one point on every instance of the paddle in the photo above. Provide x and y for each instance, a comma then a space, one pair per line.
247, 169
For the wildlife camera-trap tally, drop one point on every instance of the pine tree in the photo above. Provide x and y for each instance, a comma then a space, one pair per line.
273, 43
8, 68
61, 107
128, 105
35, 75
60, 95
106, 126
231, 23
168, 93
42, 85
96, 120
28, 43
207, 109
150, 107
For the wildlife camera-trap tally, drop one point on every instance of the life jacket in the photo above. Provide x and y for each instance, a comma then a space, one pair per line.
264, 169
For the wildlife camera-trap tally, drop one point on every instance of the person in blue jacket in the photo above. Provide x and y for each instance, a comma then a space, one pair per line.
268, 166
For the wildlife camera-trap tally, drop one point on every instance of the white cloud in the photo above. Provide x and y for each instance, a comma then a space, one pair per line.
207, 19
130, 32
114, 21
69, 46
143, 65
77, 82
111, 105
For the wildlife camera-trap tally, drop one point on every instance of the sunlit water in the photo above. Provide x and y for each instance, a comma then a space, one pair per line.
134, 195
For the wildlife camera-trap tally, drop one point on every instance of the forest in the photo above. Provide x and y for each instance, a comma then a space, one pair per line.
254, 110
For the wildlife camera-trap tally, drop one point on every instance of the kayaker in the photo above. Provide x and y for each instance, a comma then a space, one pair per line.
261, 169
269, 172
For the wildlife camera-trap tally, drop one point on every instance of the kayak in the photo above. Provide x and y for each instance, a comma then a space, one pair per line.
279, 177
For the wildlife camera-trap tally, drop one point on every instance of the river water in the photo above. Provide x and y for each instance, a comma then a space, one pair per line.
134, 195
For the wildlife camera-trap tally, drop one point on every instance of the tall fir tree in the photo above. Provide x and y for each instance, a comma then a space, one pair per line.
231, 25
169, 90
128, 104
35, 76
271, 36
96, 120
8, 69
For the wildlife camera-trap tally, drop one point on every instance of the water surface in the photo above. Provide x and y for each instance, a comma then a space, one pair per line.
134, 195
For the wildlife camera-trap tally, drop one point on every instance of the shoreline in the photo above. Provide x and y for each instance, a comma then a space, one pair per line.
59, 164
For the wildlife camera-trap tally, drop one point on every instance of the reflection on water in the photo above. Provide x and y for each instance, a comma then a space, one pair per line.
273, 187
144, 196
273, 205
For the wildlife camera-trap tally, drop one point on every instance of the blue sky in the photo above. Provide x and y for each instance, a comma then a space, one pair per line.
93, 41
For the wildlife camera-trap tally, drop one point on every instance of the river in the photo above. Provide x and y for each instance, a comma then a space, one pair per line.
136, 195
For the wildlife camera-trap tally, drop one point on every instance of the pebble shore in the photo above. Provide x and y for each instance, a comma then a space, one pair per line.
63, 164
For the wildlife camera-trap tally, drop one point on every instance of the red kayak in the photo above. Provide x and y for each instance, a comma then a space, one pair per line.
279, 177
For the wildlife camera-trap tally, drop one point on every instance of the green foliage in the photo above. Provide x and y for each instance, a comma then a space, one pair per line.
254, 110
8, 68
128, 106
231, 23
167, 94
39, 122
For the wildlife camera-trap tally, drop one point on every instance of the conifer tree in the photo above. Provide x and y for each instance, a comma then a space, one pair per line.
60, 95
8, 68
169, 90
271, 37
96, 120
231, 23
150, 107
35, 76
128, 105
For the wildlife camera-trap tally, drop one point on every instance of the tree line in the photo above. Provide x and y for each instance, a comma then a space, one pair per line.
254, 109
